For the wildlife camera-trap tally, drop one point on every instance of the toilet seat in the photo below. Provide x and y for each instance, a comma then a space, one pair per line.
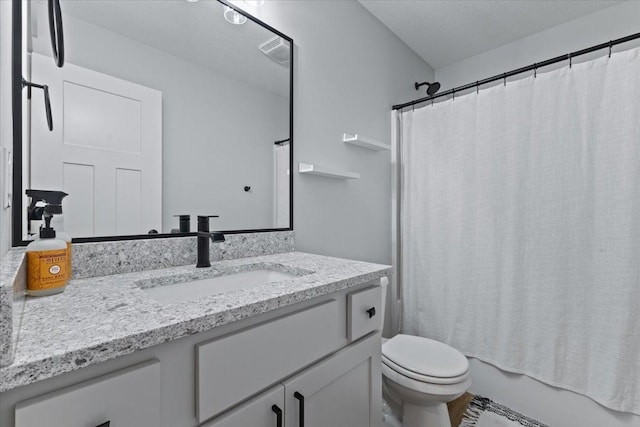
424, 378
438, 391
425, 360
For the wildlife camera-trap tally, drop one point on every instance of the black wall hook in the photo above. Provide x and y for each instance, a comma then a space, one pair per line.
47, 100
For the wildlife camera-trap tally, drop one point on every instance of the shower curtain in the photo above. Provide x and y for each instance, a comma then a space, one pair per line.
281, 185
521, 227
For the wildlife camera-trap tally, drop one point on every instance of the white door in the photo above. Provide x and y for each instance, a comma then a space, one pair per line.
105, 149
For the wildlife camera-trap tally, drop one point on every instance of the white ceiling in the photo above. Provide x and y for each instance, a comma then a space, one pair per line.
446, 31
193, 31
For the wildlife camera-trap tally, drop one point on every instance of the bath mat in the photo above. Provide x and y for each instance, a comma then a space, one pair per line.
483, 412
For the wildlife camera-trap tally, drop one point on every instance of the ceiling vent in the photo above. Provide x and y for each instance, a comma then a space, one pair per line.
277, 49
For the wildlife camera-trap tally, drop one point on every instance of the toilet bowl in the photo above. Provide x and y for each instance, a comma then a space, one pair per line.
423, 375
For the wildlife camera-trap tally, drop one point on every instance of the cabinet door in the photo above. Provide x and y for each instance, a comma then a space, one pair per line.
130, 397
234, 367
342, 390
265, 410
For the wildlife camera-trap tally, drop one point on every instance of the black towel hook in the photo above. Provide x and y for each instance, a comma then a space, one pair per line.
47, 99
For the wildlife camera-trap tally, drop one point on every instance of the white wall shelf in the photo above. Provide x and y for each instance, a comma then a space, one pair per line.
310, 169
364, 142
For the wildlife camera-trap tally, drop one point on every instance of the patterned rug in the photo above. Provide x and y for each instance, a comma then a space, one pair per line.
483, 412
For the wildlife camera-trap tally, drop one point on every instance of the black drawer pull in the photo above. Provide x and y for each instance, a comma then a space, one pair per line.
278, 412
105, 424
300, 398
372, 312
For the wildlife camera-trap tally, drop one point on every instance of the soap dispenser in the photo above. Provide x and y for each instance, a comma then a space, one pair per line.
35, 213
48, 264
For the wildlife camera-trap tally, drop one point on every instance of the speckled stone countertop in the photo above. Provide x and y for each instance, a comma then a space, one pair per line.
13, 272
100, 318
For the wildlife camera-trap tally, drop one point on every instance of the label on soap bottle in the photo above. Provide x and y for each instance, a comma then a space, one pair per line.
68, 260
47, 269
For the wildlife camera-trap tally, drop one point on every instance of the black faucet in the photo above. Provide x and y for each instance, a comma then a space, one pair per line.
203, 240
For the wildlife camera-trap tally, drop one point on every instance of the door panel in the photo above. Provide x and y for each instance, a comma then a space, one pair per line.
343, 390
258, 412
130, 397
106, 131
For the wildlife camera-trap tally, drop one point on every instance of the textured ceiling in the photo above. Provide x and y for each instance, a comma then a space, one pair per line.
443, 32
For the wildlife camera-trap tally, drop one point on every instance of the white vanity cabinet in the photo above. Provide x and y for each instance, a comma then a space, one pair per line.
341, 390
263, 355
315, 363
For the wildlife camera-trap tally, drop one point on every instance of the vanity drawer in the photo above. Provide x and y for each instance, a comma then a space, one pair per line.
234, 367
364, 312
130, 397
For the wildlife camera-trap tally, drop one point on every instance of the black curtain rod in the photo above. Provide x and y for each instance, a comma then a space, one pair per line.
282, 141
532, 67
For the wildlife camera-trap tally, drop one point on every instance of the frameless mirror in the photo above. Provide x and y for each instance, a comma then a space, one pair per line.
162, 108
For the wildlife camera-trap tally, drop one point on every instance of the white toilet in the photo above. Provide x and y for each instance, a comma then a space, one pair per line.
422, 375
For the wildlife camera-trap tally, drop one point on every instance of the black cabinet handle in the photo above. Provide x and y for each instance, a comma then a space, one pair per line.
372, 312
300, 398
47, 100
55, 31
105, 424
278, 412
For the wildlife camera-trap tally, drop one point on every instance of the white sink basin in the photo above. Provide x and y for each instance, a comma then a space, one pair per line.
196, 289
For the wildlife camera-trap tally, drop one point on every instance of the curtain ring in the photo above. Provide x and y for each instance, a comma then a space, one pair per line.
454, 94
477, 87
432, 101
413, 107
610, 46
570, 61
535, 70
504, 76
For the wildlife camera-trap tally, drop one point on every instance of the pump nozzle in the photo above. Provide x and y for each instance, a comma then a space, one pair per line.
53, 199
53, 206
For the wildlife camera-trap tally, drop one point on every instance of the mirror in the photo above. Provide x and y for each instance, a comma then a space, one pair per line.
162, 108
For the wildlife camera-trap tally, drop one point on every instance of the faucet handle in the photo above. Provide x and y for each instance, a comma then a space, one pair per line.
203, 222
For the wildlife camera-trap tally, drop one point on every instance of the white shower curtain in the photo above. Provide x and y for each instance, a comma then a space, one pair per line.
521, 227
281, 185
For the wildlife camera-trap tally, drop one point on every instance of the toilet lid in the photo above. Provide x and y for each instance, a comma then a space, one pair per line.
425, 356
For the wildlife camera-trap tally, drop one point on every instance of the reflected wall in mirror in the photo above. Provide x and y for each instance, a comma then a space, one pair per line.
162, 108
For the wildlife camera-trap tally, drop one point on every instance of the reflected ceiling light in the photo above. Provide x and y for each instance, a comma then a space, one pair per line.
192, 1
231, 15
254, 3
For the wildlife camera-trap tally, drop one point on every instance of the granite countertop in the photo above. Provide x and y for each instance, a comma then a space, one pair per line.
100, 318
